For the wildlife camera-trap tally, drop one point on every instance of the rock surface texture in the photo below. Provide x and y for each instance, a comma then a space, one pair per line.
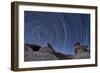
42, 54
37, 53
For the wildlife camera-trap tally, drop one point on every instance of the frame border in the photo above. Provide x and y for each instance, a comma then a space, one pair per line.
15, 34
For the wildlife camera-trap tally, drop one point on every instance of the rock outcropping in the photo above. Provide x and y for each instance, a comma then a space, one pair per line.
81, 52
38, 54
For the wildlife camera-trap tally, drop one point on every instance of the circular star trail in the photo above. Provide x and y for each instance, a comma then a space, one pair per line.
61, 30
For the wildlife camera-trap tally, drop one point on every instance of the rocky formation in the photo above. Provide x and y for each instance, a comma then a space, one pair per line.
81, 52
37, 53
33, 47
39, 56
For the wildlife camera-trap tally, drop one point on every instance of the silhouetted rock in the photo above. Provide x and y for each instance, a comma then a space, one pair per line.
50, 46
33, 47
77, 44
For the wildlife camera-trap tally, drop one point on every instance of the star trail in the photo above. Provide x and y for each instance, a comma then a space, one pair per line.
61, 30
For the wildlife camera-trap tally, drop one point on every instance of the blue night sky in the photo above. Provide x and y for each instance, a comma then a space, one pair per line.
61, 30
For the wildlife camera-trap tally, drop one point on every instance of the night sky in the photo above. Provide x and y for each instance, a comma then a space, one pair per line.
61, 30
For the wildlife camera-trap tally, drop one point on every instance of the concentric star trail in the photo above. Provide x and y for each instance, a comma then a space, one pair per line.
61, 30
